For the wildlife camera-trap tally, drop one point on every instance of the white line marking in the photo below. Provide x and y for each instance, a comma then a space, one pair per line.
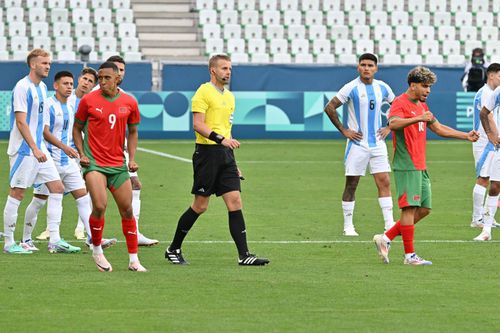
159, 153
436, 241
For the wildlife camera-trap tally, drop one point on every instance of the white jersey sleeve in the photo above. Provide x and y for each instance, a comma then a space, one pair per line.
343, 95
493, 100
20, 98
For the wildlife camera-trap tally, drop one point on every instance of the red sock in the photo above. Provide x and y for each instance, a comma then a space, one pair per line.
130, 231
96, 226
394, 231
407, 231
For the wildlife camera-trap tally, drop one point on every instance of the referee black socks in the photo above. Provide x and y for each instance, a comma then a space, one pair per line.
238, 231
185, 224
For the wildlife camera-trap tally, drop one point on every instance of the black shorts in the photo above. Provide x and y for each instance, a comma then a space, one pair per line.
215, 170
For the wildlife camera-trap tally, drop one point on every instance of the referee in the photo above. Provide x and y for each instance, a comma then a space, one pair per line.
214, 166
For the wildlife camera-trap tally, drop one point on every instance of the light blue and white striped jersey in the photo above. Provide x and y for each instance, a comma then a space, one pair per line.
481, 96
364, 107
29, 98
492, 103
61, 119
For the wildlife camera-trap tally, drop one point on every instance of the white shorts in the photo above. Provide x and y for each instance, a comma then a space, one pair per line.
495, 166
26, 171
358, 157
71, 178
483, 158
131, 174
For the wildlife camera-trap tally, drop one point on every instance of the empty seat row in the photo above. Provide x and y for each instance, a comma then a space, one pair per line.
115, 4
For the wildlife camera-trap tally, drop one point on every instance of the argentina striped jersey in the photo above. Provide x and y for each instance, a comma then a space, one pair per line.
61, 119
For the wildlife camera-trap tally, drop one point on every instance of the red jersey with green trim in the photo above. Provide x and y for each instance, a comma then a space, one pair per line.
409, 142
106, 123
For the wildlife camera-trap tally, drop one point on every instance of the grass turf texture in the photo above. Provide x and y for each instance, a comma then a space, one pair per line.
292, 192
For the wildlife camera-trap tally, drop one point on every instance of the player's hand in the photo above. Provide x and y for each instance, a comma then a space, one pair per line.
230, 143
240, 174
352, 135
473, 136
72, 153
133, 166
84, 161
426, 116
494, 139
39, 155
383, 132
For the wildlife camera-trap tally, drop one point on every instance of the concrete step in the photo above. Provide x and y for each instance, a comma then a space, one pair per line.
163, 7
182, 30
183, 2
164, 52
164, 15
171, 43
165, 22
143, 37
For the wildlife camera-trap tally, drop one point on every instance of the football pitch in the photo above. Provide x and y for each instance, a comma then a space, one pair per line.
318, 280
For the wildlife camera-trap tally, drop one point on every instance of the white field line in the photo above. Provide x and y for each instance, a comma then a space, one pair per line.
159, 153
435, 241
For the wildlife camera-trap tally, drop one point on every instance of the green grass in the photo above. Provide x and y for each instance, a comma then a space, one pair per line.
292, 192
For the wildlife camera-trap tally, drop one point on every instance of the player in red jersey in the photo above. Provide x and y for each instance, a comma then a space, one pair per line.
105, 115
409, 118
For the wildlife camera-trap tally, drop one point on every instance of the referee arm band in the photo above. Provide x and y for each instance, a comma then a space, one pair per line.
216, 137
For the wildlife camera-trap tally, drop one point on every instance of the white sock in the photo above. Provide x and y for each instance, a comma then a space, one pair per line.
478, 194
348, 209
83, 205
409, 255
31, 216
79, 223
54, 213
10, 219
97, 249
386, 206
386, 239
136, 206
133, 257
491, 210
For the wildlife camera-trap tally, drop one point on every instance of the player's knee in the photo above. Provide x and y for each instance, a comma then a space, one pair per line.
234, 204
136, 183
200, 207
424, 212
99, 208
494, 188
127, 212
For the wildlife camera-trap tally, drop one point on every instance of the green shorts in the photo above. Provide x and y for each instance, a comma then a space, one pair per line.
115, 176
414, 189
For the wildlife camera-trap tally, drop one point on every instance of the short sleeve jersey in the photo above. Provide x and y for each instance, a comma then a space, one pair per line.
364, 104
492, 103
409, 142
480, 99
61, 119
29, 98
106, 123
218, 107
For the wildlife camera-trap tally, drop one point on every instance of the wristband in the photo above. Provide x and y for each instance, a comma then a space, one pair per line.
216, 137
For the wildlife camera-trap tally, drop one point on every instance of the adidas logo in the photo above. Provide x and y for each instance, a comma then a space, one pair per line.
202, 190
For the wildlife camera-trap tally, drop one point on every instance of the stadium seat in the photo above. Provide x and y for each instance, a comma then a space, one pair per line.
90, 41
231, 31
356, 17
446, 32
102, 15
416, 6
260, 58
249, 17
243, 5
133, 56
441, 18
496, 8
472, 44
203, 4
107, 30
458, 6
275, 32
325, 58
121, 4
331, 5
289, 5
352, 5
308, 5
84, 30
224, 5
292, 17
214, 45
489, 33
360, 32
256, 46
3, 43
374, 6
347, 59
455, 59
57, 4
124, 16
387, 46
481, 6
467, 33
271, 17
253, 31
278, 46
463, 19
42, 42
17, 29
239, 58
14, 14
438, 6
37, 14
210, 31
299, 46
81, 15
75, 4
395, 6
434, 59
19, 43
317, 32
2, 30
428, 47
335, 19
493, 48
339, 32
63, 44
364, 46
129, 44
266, 5
4, 55
343, 46
296, 32
382, 32
451, 47
100, 4
304, 58
19, 55
282, 58
403, 33
399, 18
228, 16
39, 29
412, 59
321, 46
314, 17
484, 19
126, 30
425, 32
61, 29
106, 55
207, 16
235, 45
420, 18
59, 15
378, 18
408, 46
392, 59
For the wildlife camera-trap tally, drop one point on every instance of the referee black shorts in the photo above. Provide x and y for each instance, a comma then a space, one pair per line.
215, 170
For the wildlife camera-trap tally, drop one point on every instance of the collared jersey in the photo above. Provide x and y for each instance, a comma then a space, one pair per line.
61, 119
479, 100
29, 98
364, 103
218, 108
106, 123
409, 142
